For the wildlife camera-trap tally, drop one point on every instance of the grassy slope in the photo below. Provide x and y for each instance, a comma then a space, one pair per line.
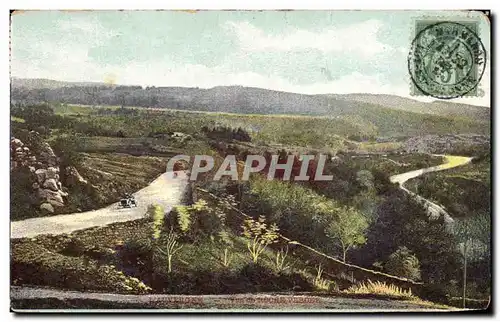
369, 120
98, 247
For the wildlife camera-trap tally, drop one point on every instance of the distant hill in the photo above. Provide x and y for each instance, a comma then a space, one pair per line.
41, 83
386, 114
407, 104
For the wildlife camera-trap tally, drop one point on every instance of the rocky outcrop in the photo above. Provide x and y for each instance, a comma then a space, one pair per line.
44, 167
73, 177
47, 207
449, 143
47, 155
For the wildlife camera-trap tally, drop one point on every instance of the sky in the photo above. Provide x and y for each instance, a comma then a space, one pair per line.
308, 52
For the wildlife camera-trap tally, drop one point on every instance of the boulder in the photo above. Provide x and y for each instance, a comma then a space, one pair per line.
55, 203
35, 185
52, 162
40, 175
47, 207
47, 194
73, 177
51, 184
16, 142
51, 173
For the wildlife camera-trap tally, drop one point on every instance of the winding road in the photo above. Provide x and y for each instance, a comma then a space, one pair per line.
433, 209
164, 190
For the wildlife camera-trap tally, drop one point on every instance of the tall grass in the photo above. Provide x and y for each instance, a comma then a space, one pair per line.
380, 288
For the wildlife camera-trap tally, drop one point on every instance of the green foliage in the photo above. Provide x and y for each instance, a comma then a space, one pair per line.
66, 148
299, 211
281, 262
171, 248
223, 241
348, 229
464, 191
157, 216
259, 235
403, 263
473, 236
407, 221
200, 220
35, 115
320, 283
36, 265
227, 133
22, 201
183, 218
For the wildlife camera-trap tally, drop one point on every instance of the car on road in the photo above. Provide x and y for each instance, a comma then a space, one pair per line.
128, 201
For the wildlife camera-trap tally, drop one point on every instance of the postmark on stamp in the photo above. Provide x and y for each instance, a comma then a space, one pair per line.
446, 59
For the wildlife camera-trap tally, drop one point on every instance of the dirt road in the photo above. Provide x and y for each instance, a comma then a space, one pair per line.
164, 190
36, 298
433, 209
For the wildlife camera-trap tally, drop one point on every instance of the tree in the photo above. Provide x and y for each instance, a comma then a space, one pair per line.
172, 247
159, 240
403, 263
348, 229
66, 148
259, 235
473, 237
92, 92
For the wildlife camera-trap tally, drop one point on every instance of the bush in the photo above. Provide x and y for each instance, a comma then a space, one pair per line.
22, 200
403, 263
66, 148
228, 133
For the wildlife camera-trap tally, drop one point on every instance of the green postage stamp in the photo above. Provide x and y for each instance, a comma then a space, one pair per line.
447, 59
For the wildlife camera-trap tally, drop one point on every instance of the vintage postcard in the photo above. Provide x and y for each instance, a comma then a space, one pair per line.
250, 161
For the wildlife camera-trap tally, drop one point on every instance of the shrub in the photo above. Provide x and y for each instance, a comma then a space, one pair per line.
280, 261
66, 148
259, 236
320, 283
198, 220
403, 263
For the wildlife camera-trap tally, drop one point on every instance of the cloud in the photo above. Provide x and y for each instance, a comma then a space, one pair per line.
359, 39
91, 28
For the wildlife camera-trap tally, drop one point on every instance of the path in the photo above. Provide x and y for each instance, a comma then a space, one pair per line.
163, 190
434, 209
56, 299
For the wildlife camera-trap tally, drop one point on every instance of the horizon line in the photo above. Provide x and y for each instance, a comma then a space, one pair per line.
425, 99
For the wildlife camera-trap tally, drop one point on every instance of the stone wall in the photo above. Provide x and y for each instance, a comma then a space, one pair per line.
38, 157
